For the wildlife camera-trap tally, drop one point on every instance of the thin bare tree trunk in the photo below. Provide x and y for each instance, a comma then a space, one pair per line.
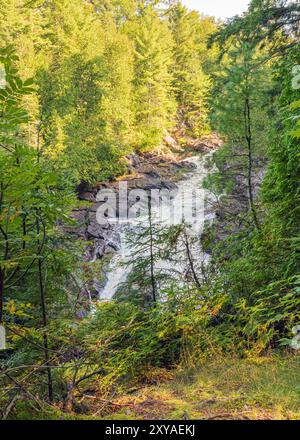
190, 258
153, 283
10, 406
44, 320
2, 274
1, 293
247, 118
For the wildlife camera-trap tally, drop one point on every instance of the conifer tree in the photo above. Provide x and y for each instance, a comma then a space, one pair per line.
191, 84
160, 257
242, 110
86, 92
154, 104
116, 104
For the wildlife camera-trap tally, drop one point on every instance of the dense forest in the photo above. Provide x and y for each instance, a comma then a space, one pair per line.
86, 88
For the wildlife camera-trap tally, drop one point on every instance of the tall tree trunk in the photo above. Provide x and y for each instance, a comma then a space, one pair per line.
2, 274
248, 132
153, 282
2, 271
44, 321
190, 258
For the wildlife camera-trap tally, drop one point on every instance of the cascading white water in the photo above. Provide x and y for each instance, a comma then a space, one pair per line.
188, 189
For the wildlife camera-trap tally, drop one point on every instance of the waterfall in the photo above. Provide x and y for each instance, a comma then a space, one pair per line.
189, 188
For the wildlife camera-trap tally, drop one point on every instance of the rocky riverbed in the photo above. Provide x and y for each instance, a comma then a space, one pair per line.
146, 171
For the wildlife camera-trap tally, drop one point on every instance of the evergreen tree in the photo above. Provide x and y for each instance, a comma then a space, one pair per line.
243, 111
23, 27
161, 258
153, 97
86, 92
191, 84
116, 105
282, 183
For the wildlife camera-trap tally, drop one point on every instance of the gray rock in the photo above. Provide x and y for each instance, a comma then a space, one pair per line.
153, 174
99, 249
134, 160
94, 231
79, 215
88, 196
169, 185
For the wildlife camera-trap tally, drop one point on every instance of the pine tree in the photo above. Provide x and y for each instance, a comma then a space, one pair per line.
242, 111
116, 105
281, 186
154, 104
86, 92
161, 257
191, 84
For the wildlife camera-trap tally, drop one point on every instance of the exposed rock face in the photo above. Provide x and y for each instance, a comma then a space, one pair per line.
231, 209
147, 172
171, 142
209, 142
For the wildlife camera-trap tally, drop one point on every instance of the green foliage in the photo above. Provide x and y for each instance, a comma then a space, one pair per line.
106, 77
28, 188
110, 77
12, 113
282, 183
121, 340
259, 270
271, 22
154, 105
190, 83
33, 201
275, 311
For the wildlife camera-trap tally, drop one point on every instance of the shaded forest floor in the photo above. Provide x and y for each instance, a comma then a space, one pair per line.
224, 388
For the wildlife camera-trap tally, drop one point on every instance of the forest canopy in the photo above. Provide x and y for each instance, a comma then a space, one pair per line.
91, 90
